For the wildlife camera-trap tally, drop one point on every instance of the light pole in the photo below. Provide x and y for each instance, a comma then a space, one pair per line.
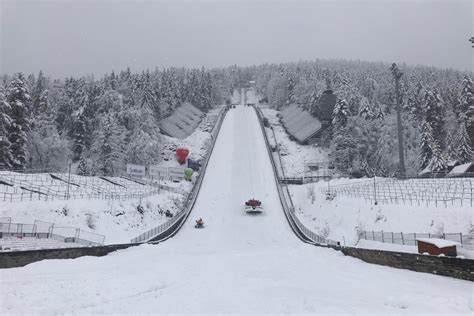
375, 187
397, 74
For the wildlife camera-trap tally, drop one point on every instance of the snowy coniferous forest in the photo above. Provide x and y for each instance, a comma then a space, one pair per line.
102, 124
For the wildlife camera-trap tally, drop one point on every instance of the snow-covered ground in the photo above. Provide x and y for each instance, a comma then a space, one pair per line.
118, 220
341, 218
295, 156
237, 264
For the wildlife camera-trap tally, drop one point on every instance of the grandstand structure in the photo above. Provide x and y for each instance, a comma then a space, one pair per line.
301, 125
16, 186
438, 192
183, 122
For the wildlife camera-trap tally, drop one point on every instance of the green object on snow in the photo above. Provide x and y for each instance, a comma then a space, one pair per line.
188, 173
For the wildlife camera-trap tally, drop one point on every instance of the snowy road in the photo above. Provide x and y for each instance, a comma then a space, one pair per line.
237, 264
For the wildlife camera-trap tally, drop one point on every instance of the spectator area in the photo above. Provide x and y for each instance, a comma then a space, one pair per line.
183, 122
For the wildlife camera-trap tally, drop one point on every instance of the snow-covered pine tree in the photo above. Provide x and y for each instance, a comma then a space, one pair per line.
6, 157
451, 150
463, 150
466, 106
79, 126
79, 134
426, 145
290, 89
466, 97
18, 97
82, 167
37, 91
435, 115
364, 109
343, 150
108, 147
437, 162
340, 114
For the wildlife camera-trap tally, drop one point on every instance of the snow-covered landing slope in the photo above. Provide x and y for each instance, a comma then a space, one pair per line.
237, 264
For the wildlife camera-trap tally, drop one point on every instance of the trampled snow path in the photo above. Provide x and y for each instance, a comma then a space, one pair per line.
237, 264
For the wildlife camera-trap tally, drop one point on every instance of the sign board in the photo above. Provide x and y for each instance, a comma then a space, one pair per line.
176, 173
136, 170
157, 171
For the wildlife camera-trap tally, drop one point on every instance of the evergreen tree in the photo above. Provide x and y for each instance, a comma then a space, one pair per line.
437, 162
18, 98
6, 157
82, 167
435, 114
451, 150
466, 107
108, 147
343, 150
340, 114
464, 150
426, 145
290, 89
38, 90
466, 98
79, 134
365, 111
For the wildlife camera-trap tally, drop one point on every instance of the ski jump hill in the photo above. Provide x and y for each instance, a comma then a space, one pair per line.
238, 264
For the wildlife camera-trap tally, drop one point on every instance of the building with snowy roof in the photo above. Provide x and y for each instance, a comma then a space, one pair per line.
301, 125
183, 122
464, 170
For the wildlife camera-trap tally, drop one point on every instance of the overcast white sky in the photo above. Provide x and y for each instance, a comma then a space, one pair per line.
81, 37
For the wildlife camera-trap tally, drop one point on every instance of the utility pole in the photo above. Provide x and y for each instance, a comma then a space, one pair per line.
397, 74
68, 181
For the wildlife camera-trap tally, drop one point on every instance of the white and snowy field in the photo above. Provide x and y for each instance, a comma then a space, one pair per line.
237, 264
341, 218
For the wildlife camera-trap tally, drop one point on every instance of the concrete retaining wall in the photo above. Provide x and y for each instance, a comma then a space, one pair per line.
452, 267
22, 258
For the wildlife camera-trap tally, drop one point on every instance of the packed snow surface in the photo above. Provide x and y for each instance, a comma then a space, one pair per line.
237, 264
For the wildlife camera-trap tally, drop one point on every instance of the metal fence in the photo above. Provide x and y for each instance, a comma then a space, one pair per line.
410, 239
42, 229
420, 191
16, 186
191, 197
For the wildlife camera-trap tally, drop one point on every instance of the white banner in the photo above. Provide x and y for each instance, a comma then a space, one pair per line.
157, 171
176, 173
135, 170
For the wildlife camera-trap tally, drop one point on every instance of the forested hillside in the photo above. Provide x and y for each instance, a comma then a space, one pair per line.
102, 124
98, 124
437, 117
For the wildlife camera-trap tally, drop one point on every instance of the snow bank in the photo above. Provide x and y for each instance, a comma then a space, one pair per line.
343, 216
